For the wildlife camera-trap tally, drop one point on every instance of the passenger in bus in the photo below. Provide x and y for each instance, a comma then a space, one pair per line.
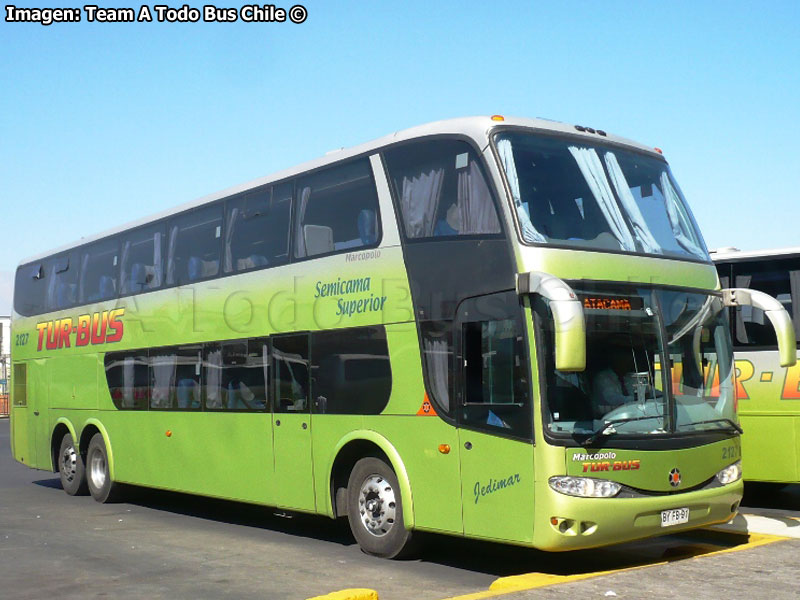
449, 223
608, 383
611, 385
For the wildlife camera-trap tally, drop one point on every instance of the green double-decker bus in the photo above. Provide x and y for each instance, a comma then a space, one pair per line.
506, 329
768, 391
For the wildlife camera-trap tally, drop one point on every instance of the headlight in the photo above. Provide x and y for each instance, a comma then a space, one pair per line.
585, 487
731, 473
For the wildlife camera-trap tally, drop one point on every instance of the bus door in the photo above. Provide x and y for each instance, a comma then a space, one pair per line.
21, 444
494, 418
38, 415
291, 422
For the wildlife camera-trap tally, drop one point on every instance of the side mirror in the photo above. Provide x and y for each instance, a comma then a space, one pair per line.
570, 328
777, 315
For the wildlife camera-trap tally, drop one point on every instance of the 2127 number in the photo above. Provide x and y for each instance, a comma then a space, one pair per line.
729, 452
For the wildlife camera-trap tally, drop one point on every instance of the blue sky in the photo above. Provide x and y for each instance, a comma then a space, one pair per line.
101, 124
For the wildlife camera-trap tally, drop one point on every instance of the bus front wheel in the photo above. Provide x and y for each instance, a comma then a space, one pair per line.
70, 468
375, 509
98, 477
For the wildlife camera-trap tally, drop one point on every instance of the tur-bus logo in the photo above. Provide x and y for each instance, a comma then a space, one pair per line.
96, 328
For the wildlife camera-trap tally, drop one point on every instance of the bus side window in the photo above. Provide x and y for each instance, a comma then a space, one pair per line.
62, 286
291, 377
257, 229
437, 359
352, 374
441, 190
99, 263
194, 245
162, 377
188, 370
337, 210
780, 278
235, 375
495, 386
30, 289
142, 265
127, 379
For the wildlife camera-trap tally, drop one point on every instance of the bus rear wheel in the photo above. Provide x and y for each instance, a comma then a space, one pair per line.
375, 510
70, 468
98, 477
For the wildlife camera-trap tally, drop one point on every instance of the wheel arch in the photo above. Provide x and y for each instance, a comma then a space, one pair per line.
354, 446
62, 427
90, 428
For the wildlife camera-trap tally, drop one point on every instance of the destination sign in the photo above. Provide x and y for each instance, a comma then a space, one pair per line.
612, 302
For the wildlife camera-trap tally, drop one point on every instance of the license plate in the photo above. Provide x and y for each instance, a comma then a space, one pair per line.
676, 516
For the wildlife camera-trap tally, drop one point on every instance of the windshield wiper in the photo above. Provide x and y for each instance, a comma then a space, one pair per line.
608, 429
733, 424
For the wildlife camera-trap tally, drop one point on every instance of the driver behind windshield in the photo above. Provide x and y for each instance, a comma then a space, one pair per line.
618, 381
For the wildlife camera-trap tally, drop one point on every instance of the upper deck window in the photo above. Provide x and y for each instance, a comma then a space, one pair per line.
62, 285
194, 245
337, 210
142, 266
573, 193
780, 278
99, 263
257, 229
30, 287
441, 190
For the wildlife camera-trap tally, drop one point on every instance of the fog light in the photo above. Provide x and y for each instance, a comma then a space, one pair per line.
585, 487
731, 473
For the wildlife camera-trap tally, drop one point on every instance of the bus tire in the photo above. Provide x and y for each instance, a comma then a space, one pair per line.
98, 477
375, 510
71, 469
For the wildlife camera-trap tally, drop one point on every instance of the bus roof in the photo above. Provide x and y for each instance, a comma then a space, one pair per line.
734, 254
478, 128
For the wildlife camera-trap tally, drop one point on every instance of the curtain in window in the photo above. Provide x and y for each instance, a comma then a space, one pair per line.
157, 264
214, 379
475, 207
233, 217
128, 382
84, 265
173, 243
529, 232
794, 281
163, 380
592, 171
125, 286
419, 202
300, 242
681, 227
437, 353
640, 228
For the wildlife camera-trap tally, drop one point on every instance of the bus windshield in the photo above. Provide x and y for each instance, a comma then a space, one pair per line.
568, 192
659, 362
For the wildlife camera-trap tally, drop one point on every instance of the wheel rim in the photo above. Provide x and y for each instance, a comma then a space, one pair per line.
69, 463
377, 505
97, 470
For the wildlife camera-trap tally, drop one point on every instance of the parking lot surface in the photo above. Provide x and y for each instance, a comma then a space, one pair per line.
165, 545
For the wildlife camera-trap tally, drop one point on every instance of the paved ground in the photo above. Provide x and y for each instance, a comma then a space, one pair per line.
161, 545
